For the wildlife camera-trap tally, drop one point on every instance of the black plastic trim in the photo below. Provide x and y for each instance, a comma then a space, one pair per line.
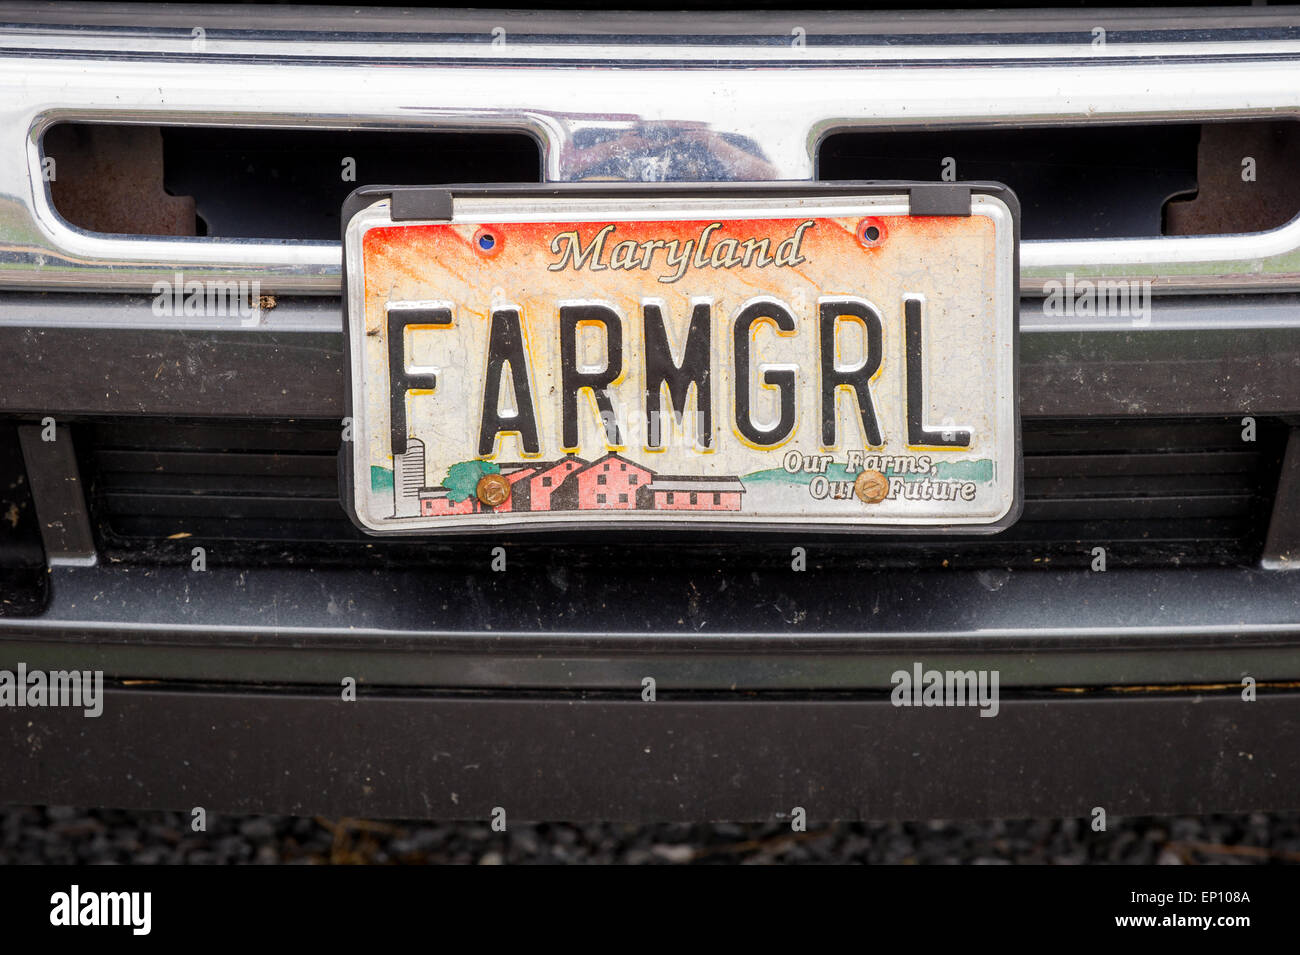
688, 759
545, 627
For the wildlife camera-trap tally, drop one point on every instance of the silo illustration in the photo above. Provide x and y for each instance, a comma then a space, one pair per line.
408, 478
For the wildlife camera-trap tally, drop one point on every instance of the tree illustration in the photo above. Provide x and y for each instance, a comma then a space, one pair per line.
463, 477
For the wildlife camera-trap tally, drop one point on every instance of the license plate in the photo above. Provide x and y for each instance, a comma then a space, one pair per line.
818, 358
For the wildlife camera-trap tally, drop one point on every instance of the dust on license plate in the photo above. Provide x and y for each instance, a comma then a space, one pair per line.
828, 360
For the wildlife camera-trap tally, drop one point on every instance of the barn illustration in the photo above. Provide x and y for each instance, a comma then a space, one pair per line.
611, 482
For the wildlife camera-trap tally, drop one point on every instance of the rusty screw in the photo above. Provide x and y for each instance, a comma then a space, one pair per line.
492, 489
871, 487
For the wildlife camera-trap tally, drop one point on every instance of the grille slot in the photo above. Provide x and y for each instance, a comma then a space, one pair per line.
1153, 492
256, 183
1092, 182
23, 574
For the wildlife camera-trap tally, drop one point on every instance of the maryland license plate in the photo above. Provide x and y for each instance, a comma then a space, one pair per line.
838, 356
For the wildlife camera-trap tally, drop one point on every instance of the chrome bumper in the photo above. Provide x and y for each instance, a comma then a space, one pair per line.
781, 82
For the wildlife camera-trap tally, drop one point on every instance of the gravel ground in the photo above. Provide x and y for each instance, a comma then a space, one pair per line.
65, 835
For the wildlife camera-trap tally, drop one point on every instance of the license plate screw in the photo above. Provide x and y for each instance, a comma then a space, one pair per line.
492, 490
488, 241
871, 232
871, 487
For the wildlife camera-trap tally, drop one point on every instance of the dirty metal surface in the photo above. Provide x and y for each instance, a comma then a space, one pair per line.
110, 179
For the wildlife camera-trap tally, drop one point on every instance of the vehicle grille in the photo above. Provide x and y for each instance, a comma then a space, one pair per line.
1077, 182
256, 183
1153, 492
23, 577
